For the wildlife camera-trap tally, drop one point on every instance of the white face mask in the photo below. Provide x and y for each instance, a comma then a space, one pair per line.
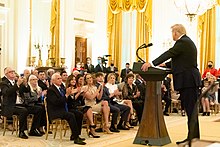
78, 66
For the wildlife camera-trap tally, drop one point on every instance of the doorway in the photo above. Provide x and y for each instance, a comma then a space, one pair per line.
80, 49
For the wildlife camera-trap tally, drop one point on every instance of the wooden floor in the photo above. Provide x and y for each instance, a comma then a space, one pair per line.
176, 125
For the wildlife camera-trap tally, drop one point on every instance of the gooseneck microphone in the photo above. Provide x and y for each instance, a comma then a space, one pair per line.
141, 47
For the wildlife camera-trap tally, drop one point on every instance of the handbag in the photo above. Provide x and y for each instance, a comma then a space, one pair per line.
30, 98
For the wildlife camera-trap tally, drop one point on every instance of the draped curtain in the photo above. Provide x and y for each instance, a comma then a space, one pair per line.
144, 19
55, 31
144, 32
207, 35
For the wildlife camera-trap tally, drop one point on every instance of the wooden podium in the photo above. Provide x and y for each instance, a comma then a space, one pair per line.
152, 129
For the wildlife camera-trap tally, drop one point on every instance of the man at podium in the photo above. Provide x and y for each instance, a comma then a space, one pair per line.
186, 75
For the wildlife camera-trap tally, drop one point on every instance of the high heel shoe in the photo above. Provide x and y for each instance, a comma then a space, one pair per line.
93, 135
128, 125
91, 132
105, 129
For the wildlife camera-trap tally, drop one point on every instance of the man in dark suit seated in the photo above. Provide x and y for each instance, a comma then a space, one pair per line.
57, 107
9, 89
43, 82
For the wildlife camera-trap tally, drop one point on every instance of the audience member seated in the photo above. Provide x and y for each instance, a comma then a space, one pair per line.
57, 107
42, 81
30, 93
78, 68
210, 68
115, 108
116, 96
64, 77
113, 69
92, 94
50, 72
9, 89
75, 104
26, 73
209, 98
131, 92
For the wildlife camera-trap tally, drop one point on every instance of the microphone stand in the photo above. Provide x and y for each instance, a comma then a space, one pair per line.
140, 47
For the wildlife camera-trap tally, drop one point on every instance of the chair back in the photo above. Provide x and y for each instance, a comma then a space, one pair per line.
47, 117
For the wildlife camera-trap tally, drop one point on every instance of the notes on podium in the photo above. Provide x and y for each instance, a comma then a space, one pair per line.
152, 74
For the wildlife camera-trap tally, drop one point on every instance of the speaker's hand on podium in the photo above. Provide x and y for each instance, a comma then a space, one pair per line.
145, 66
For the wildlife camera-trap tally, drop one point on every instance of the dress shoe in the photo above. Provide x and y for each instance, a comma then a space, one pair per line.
23, 135
93, 135
83, 139
166, 113
179, 142
72, 138
123, 127
79, 141
34, 132
113, 129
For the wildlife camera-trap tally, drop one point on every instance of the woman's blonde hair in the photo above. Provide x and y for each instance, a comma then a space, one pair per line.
110, 75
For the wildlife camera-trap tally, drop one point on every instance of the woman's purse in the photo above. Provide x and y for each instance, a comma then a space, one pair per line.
30, 98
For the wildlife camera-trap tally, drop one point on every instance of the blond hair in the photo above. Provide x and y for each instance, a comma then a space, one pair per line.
179, 28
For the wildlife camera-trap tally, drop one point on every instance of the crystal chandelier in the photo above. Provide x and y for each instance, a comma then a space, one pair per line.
191, 8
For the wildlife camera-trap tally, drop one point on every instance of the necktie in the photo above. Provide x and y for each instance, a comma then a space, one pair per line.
62, 92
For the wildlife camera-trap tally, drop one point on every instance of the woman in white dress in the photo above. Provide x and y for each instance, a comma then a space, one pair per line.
113, 90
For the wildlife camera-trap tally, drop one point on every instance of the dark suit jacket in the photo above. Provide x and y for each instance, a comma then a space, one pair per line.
99, 69
42, 85
4, 78
109, 70
124, 73
91, 70
55, 103
9, 93
183, 63
141, 87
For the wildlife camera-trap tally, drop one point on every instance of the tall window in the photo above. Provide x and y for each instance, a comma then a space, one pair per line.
217, 52
128, 37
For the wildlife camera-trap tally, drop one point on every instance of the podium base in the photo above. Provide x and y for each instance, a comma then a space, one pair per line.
152, 141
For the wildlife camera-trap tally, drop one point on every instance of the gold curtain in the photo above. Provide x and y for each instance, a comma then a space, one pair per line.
144, 21
143, 30
117, 6
114, 37
55, 31
207, 35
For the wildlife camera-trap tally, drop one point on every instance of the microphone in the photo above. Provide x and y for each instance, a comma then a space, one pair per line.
140, 47
145, 45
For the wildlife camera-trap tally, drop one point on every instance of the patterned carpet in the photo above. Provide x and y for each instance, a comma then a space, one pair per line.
176, 125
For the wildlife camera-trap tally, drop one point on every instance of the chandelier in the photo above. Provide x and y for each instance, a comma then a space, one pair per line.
191, 8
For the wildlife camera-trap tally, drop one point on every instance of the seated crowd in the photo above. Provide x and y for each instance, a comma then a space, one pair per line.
73, 97
88, 90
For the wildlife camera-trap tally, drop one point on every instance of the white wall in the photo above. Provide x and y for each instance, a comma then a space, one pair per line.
164, 16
